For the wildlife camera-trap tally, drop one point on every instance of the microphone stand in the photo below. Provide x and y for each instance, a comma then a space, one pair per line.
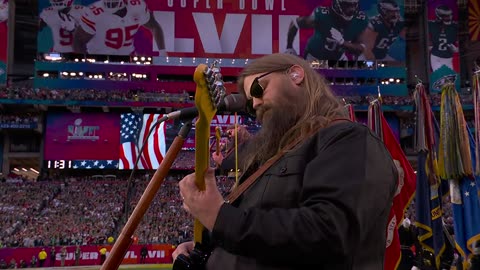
120, 248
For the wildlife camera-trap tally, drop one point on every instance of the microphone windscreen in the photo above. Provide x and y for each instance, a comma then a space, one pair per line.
235, 102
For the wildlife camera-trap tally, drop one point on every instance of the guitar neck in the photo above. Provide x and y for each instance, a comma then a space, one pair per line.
202, 159
208, 92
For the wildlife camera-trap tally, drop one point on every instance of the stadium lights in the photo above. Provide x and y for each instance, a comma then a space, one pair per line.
15, 169
76, 60
135, 58
33, 170
45, 75
65, 73
106, 61
73, 74
142, 58
121, 62
80, 73
25, 170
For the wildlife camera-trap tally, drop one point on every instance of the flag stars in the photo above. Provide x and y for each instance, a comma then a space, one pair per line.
467, 194
472, 184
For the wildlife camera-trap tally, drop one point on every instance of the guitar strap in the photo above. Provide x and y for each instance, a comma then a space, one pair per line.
235, 194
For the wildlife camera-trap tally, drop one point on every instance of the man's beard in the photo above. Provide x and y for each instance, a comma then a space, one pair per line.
276, 121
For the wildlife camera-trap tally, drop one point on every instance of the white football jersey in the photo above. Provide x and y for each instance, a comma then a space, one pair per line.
113, 34
62, 39
3, 11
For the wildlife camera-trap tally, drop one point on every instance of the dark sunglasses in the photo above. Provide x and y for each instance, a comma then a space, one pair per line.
256, 90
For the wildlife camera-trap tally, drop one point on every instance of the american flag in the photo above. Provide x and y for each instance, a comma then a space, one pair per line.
133, 131
95, 164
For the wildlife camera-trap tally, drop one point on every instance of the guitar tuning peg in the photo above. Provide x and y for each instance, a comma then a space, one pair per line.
218, 76
218, 83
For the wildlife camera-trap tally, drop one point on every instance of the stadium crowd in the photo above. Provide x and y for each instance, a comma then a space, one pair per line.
93, 95
162, 96
70, 212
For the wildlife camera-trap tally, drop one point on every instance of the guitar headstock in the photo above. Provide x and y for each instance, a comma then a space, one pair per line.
210, 89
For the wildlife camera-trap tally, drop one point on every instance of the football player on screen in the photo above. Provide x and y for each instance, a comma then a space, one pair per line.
338, 29
62, 17
108, 27
443, 38
3, 10
384, 29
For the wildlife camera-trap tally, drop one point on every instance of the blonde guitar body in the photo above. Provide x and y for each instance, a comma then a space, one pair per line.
208, 94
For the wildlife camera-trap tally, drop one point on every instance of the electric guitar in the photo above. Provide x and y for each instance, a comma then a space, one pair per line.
209, 91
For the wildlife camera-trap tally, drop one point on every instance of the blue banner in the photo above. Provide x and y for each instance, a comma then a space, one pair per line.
428, 208
466, 210
94, 164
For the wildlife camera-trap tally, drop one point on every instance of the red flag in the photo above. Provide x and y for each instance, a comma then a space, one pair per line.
405, 190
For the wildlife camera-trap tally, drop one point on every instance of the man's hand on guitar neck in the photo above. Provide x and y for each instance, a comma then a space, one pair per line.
202, 204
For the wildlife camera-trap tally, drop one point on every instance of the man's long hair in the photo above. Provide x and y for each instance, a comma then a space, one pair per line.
321, 105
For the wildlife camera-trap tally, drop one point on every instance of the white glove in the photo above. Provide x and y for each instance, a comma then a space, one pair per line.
67, 23
452, 48
337, 36
291, 51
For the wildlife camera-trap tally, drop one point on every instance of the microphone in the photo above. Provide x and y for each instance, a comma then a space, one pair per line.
231, 103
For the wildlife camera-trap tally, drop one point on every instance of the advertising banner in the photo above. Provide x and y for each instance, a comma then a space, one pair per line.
234, 29
443, 43
76, 136
156, 254
3, 41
